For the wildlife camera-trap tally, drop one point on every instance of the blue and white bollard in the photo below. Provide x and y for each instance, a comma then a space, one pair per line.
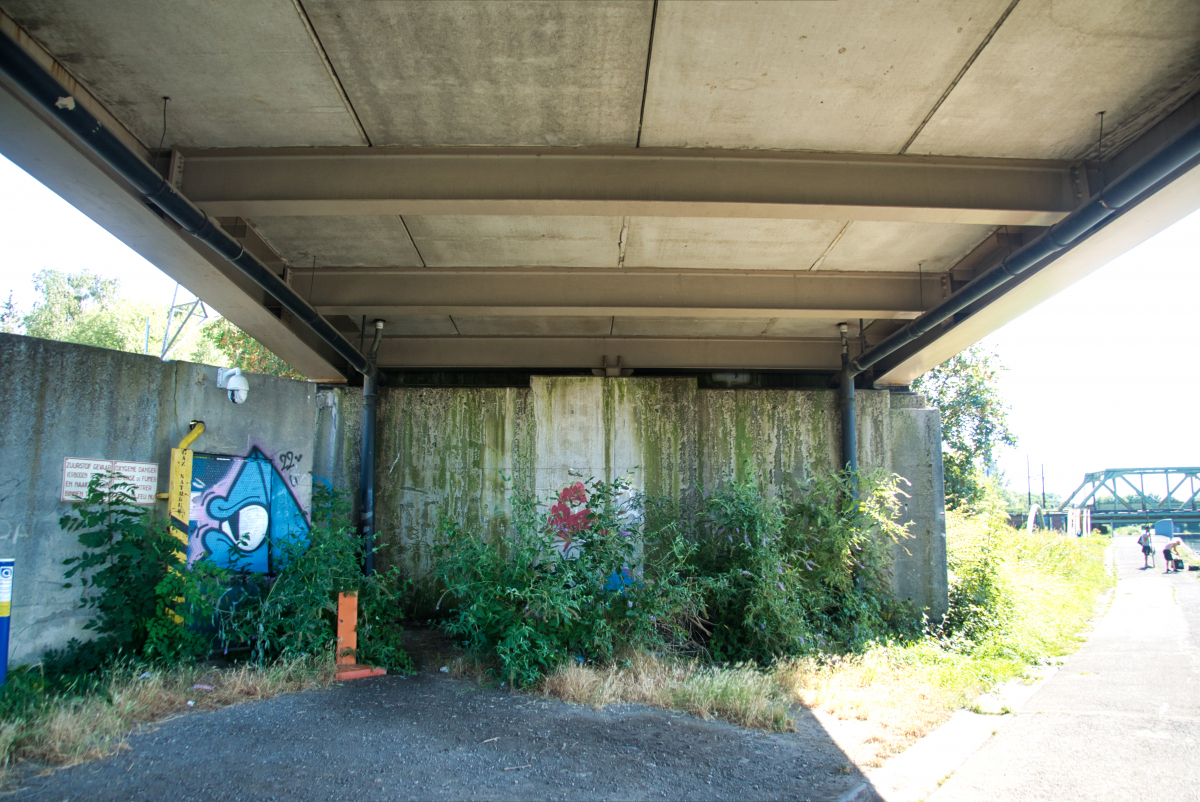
6, 578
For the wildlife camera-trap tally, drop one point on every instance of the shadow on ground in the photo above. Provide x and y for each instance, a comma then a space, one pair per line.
433, 737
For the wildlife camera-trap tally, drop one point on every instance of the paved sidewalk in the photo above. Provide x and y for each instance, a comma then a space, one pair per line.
1120, 720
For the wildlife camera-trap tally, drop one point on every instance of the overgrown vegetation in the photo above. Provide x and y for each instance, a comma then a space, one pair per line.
584, 580
569, 583
786, 577
1017, 600
156, 621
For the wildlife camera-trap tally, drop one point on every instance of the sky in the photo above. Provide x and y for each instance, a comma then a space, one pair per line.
42, 231
1099, 376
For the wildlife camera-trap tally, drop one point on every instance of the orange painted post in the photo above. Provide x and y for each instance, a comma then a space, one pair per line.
347, 628
347, 641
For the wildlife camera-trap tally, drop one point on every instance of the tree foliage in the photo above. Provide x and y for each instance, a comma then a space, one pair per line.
974, 420
87, 309
243, 351
68, 300
10, 317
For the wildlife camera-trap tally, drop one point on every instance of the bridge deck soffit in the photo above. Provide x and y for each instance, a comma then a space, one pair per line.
685, 185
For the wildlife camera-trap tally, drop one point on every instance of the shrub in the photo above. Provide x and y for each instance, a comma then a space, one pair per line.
786, 577
149, 606
293, 612
567, 582
143, 603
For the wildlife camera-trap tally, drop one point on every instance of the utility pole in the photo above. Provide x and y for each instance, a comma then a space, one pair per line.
1028, 483
1043, 486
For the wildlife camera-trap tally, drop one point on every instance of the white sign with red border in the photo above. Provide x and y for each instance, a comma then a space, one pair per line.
78, 473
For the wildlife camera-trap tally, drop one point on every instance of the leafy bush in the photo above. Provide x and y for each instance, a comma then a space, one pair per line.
570, 582
143, 603
293, 613
149, 606
763, 577
787, 577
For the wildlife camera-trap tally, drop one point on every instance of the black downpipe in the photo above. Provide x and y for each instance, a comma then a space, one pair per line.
1065, 232
849, 422
366, 486
367, 477
52, 97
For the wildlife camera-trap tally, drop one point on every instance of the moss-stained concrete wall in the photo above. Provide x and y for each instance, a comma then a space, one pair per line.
449, 452
640, 429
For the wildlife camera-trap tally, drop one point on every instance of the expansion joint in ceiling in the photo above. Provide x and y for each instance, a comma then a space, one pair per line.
337, 82
959, 77
646, 80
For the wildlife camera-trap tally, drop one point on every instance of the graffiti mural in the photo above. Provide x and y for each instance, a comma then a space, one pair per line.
243, 510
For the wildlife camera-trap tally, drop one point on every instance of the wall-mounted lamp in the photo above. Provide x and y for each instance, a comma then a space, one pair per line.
232, 380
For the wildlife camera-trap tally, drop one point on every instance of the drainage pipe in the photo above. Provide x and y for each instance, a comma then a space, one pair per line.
366, 481
53, 98
1073, 227
849, 424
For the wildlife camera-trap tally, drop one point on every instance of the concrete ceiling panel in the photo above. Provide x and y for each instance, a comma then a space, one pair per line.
699, 242
339, 241
856, 75
490, 73
1035, 89
238, 74
487, 326
516, 241
688, 327
881, 247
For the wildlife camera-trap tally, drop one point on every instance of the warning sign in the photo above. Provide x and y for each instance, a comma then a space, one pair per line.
78, 473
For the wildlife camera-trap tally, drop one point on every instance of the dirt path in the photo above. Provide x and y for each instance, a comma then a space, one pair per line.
433, 737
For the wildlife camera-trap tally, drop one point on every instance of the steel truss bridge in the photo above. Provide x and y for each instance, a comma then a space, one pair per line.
1125, 496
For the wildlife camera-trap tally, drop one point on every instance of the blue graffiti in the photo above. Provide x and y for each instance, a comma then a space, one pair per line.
243, 512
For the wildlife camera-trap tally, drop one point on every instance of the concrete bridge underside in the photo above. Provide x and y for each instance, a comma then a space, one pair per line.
680, 185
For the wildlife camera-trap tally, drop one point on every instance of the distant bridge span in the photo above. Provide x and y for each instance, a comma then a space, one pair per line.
1124, 496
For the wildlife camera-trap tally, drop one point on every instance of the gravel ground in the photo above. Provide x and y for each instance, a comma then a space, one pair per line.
433, 737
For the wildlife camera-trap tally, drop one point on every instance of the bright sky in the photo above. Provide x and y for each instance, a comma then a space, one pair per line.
1100, 376
42, 231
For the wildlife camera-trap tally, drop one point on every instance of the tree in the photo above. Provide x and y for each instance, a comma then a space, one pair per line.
66, 300
87, 309
974, 420
10, 317
245, 352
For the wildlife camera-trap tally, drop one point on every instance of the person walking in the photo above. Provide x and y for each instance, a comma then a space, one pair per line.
1146, 541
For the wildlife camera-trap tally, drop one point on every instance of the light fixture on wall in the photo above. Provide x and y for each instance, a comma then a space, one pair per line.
232, 380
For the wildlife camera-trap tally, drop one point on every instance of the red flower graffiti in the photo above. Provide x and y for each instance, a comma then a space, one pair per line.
566, 524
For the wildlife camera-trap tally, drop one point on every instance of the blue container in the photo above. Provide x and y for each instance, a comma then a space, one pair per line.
6, 580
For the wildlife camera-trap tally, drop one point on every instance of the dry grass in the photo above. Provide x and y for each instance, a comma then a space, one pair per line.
741, 695
62, 730
898, 694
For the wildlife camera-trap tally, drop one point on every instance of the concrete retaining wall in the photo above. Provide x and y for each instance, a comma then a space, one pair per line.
461, 452
63, 400
456, 452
